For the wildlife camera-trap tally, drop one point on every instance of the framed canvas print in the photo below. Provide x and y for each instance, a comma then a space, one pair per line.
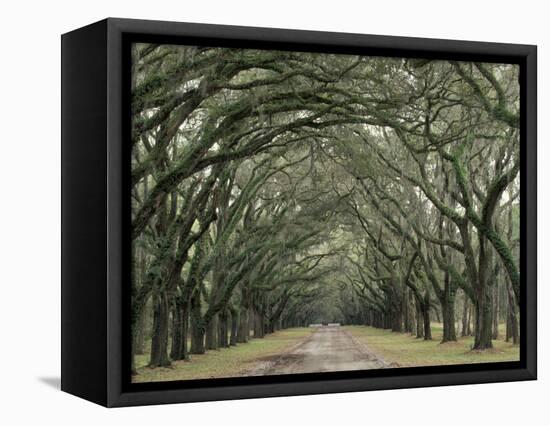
252, 212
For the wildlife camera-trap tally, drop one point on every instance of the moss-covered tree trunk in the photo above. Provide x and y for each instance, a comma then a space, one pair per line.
197, 339
495, 306
483, 303
419, 321
197, 326
427, 325
447, 301
244, 330
212, 333
408, 317
465, 316
471, 323
259, 326
223, 329
179, 350
185, 333
483, 319
176, 350
512, 326
449, 329
234, 327
138, 346
425, 309
159, 342
397, 321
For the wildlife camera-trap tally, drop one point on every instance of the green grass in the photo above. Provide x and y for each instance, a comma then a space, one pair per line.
225, 362
407, 351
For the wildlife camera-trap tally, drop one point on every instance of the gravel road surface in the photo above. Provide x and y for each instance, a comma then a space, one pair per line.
326, 349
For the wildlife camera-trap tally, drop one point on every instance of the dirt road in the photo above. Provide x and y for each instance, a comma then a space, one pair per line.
327, 349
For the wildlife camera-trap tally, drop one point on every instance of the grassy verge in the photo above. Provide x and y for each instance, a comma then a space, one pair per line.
407, 351
225, 362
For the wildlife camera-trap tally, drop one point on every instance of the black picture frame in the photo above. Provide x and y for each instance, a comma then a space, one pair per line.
95, 212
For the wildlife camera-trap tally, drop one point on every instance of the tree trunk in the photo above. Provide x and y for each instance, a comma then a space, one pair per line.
407, 313
448, 313
223, 329
269, 326
512, 329
427, 325
234, 327
176, 352
244, 330
197, 339
397, 322
513, 308
508, 325
251, 322
484, 303
212, 334
484, 320
138, 346
197, 326
159, 343
258, 325
179, 332
470, 313
185, 333
138, 307
465, 317
419, 322
495, 309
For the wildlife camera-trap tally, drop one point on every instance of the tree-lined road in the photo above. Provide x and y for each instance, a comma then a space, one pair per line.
276, 189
